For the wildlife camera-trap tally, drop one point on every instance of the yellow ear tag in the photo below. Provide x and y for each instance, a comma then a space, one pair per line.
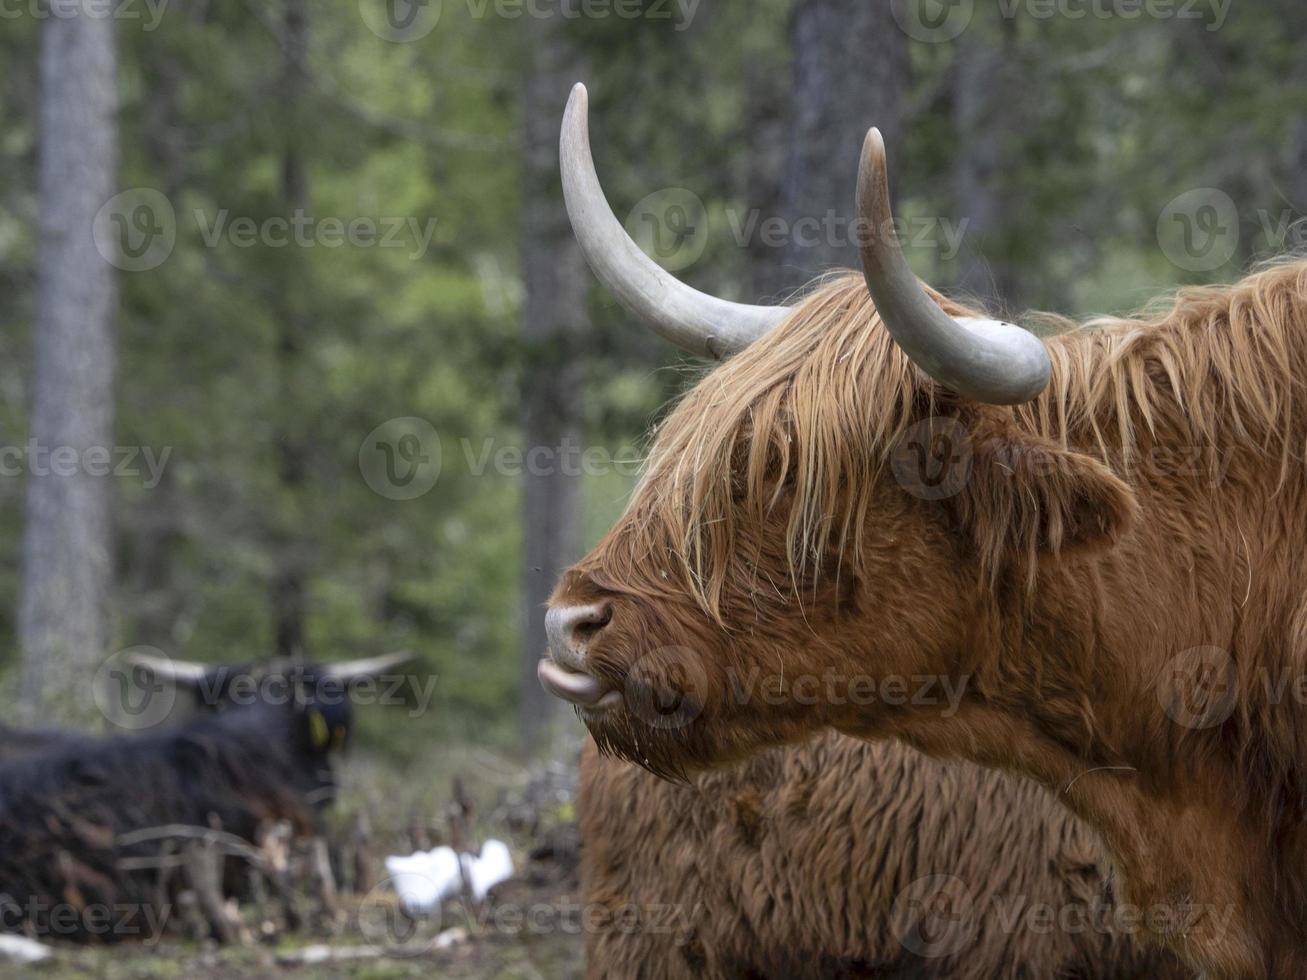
318, 729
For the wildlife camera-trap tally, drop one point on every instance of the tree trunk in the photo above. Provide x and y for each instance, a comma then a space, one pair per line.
63, 617
850, 72
987, 122
287, 592
554, 316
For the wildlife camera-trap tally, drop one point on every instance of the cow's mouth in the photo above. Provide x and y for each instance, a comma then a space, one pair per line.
583, 690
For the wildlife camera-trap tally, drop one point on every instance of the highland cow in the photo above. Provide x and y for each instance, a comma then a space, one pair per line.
1095, 537
72, 808
846, 859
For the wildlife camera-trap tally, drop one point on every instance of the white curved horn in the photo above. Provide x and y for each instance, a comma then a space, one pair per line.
694, 321
186, 673
350, 670
985, 360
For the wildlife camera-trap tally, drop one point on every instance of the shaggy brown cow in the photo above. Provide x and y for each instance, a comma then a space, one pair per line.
847, 859
1112, 571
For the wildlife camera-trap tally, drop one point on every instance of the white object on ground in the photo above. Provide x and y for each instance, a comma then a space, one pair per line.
426, 878
493, 866
20, 949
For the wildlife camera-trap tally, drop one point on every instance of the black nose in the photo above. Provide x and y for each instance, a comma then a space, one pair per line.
571, 629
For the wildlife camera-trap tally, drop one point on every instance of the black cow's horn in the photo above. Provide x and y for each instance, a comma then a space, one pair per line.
186, 673
349, 670
986, 360
694, 321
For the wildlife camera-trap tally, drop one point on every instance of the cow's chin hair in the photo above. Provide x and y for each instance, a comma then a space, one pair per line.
708, 741
678, 754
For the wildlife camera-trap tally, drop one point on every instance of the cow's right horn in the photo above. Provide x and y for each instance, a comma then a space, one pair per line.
986, 360
694, 321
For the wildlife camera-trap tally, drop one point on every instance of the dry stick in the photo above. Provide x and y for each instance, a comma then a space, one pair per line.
364, 864
203, 868
274, 845
229, 843
320, 861
462, 812
162, 879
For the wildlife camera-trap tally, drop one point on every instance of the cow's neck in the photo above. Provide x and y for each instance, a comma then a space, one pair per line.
1161, 694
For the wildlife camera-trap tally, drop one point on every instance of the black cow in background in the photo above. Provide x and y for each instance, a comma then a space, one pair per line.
17, 743
259, 752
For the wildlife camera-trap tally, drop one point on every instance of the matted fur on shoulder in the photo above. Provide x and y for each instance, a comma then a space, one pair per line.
797, 428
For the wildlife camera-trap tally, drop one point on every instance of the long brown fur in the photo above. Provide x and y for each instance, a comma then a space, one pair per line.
1152, 503
803, 864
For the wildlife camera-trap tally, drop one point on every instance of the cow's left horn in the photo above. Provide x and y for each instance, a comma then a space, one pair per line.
986, 360
694, 321
186, 673
351, 670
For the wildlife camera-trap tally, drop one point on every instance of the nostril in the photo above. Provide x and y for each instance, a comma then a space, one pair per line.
585, 629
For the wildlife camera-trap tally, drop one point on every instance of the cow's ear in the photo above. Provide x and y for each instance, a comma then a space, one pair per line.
1026, 496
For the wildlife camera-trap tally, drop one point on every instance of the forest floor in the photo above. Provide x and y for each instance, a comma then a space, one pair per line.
489, 955
527, 929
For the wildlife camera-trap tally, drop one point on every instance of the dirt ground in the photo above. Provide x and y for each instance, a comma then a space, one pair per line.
552, 957
522, 933
527, 928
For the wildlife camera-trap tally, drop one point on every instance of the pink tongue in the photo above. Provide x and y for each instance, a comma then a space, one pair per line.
577, 688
